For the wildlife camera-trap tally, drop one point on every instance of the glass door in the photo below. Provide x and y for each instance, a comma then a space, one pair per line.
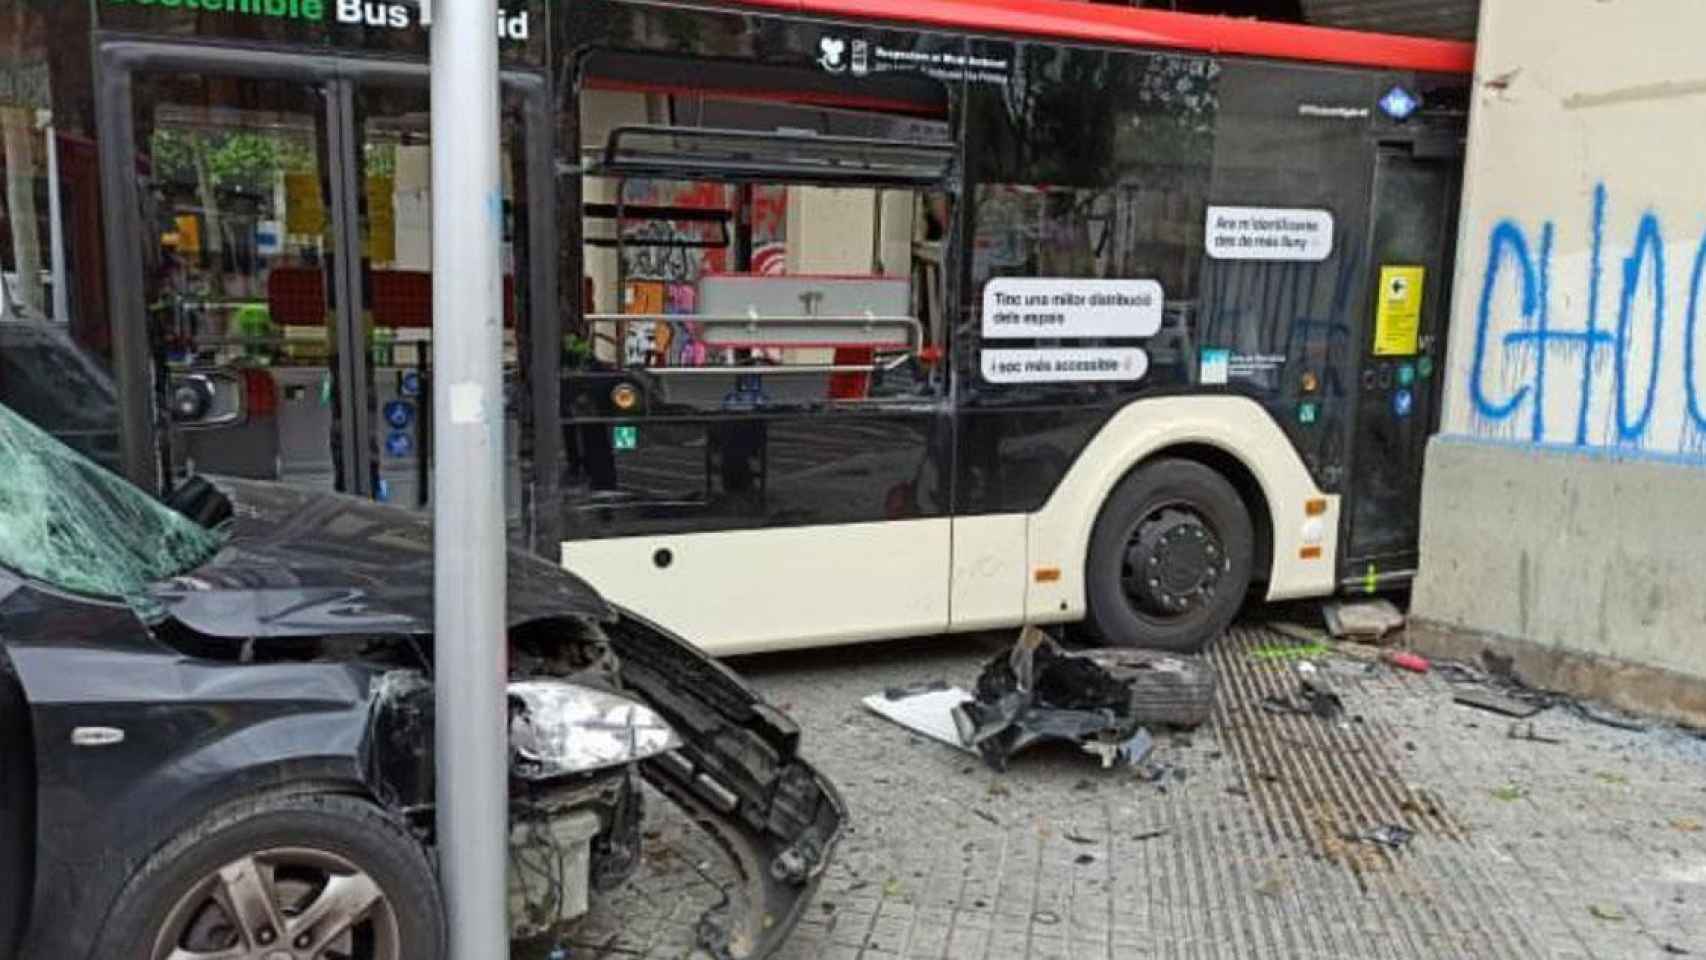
239, 247
273, 217
393, 136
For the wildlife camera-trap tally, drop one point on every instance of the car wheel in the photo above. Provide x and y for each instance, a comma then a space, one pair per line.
1170, 558
292, 877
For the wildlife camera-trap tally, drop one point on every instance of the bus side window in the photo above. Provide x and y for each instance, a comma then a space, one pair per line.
808, 293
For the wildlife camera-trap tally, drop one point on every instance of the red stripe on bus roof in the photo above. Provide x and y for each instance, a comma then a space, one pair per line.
1130, 26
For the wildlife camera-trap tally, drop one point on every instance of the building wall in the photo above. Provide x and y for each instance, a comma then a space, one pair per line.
1565, 499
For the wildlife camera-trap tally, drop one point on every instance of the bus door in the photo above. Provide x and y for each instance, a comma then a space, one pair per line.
273, 216
1414, 216
755, 406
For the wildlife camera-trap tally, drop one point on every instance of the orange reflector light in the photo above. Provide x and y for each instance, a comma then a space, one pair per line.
1310, 553
1047, 574
624, 397
1315, 507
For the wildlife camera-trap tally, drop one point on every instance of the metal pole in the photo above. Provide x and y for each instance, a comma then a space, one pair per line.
56, 230
468, 511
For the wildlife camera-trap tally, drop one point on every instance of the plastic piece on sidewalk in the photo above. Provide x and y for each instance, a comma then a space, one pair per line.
1485, 700
1390, 835
923, 708
1405, 660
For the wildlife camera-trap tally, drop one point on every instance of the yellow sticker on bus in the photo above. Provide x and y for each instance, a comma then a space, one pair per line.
1398, 314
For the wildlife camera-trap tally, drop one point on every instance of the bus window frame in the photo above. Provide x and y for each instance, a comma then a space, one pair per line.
118, 59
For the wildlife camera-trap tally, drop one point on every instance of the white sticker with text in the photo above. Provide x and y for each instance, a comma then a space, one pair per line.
1065, 364
1269, 233
1052, 308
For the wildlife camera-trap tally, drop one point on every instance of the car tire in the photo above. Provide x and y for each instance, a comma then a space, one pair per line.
1186, 526
1167, 689
293, 848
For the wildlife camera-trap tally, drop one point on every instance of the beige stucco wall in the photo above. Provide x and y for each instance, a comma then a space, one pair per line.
1590, 99
1565, 501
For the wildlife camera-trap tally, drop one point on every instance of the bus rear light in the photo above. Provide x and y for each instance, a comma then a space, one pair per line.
1315, 507
1310, 553
1047, 575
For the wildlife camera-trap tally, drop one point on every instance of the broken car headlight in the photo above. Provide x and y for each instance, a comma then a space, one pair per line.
558, 728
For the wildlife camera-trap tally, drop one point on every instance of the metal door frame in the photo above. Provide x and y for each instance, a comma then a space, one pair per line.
118, 58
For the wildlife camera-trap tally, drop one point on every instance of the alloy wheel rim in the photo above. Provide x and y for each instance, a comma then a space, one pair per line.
281, 903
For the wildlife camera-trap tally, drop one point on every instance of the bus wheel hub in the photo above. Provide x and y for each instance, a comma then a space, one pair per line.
1173, 563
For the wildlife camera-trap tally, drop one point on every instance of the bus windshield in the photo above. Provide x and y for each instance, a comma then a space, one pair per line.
67, 522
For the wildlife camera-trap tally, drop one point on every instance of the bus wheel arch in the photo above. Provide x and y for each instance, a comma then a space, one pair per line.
1175, 547
1249, 487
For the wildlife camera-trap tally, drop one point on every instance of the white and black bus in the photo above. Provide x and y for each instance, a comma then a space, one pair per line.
825, 321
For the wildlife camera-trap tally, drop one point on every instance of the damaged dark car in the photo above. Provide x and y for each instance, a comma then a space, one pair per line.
216, 731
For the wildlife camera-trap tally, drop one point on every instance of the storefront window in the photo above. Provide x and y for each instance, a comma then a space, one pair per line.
54, 341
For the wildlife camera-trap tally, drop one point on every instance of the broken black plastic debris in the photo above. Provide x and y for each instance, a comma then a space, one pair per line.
1099, 699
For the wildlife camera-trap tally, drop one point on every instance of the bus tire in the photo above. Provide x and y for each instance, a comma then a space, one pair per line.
1170, 558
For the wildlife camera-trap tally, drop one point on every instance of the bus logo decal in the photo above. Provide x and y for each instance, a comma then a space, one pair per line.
830, 51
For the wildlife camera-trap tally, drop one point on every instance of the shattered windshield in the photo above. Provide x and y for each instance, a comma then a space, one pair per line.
70, 523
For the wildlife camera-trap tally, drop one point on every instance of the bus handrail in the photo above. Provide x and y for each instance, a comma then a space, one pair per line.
754, 322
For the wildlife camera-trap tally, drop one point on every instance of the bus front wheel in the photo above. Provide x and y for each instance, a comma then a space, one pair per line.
1170, 558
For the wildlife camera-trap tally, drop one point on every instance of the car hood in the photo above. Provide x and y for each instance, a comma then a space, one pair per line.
304, 563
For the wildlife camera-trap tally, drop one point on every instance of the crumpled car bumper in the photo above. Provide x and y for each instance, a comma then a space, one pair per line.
740, 777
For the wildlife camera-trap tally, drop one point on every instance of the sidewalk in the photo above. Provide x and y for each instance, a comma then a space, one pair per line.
1592, 847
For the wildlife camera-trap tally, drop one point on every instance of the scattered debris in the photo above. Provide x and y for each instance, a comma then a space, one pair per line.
1100, 699
1081, 839
1487, 700
1084, 859
1313, 698
1508, 792
1525, 731
1047, 918
1292, 651
1405, 660
926, 708
987, 816
1602, 912
1686, 824
1501, 671
1612, 778
1674, 950
1389, 835
891, 887
1149, 835
1604, 717
1366, 621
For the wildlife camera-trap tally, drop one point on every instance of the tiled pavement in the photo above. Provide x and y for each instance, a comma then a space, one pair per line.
1591, 847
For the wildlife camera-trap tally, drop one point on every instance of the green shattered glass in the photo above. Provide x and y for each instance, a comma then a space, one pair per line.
66, 521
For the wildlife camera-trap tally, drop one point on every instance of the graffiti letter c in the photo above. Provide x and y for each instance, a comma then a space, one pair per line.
1506, 240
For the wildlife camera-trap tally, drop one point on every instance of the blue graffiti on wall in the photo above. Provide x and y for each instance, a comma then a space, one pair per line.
1498, 398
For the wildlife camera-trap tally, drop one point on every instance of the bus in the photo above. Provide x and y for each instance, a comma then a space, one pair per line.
824, 321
